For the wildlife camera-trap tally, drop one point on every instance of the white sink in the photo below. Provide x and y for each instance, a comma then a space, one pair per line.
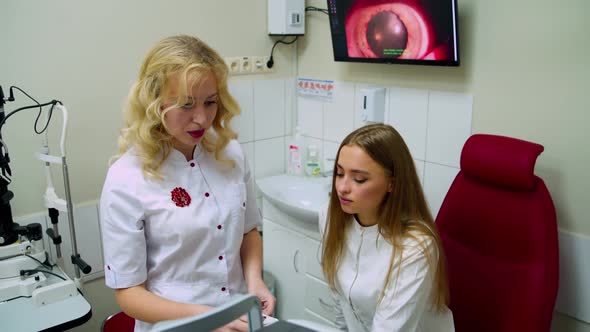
297, 196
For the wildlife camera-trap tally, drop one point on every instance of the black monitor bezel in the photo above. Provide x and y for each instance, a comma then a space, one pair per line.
444, 63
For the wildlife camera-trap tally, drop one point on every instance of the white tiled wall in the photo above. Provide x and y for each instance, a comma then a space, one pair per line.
338, 115
243, 92
265, 120
449, 126
408, 113
434, 124
310, 117
269, 109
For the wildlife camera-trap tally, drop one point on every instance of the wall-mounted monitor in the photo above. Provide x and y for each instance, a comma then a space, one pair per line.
422, 32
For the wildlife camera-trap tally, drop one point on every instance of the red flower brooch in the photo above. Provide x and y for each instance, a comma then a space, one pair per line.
180, 197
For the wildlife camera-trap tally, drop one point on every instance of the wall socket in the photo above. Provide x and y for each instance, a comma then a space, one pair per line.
233, 65
248, 65
258, 65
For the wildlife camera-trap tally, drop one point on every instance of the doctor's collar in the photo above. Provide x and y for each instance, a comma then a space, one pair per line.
177, 156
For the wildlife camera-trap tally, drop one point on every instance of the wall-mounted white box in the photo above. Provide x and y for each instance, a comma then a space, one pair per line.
373, 104
286, 17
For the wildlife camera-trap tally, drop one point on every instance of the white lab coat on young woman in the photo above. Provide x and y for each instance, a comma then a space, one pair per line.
183, 252
361, 277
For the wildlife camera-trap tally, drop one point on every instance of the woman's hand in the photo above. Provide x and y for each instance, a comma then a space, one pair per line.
268, 301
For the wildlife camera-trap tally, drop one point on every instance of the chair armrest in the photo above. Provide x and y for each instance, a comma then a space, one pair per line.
217, 317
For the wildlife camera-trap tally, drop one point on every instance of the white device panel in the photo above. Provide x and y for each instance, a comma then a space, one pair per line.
286, 17
373, 105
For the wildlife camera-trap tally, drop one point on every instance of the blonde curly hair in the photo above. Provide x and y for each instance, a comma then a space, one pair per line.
188, 60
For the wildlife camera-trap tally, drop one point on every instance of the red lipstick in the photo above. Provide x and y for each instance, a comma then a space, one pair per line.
197, 133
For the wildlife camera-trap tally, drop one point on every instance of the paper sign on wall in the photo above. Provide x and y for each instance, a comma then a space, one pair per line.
322, 89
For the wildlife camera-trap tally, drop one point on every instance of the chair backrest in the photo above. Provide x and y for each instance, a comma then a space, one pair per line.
498, 227
118, 322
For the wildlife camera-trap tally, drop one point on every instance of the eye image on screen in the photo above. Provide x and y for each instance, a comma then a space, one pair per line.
393, 30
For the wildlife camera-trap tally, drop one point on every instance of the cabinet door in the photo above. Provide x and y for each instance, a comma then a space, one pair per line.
318, 299
312, 253
283, 257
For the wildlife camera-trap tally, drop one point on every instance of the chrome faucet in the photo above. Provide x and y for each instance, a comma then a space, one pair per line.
329, 172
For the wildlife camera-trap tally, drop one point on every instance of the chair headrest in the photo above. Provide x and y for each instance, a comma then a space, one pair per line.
501, 161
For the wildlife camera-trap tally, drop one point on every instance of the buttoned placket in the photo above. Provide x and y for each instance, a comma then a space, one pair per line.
221, 257
219, 227
356, 268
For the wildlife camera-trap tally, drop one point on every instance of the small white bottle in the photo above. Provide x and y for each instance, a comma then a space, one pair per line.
295, 162
312, 163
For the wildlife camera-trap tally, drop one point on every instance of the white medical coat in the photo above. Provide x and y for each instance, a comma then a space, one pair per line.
360, 278
187, 254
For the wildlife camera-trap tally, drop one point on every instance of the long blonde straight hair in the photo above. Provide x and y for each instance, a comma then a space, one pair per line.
188, 60
403, 212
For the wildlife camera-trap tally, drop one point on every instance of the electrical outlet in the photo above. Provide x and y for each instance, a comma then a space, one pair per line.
248, 65
258, 64
234, 65
265, 66
245, 65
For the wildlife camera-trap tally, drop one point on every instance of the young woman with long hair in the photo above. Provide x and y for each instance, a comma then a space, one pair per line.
381, 253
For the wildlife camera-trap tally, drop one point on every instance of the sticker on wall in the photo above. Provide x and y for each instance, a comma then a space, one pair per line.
311, 88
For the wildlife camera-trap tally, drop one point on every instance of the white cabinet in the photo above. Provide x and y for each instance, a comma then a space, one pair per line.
283, 257
291, 253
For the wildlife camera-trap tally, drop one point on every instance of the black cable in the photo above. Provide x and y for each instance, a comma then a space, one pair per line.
48, 120
270, 62
26, 272
53, 102
21, 90
18, 297
316, 9
38, 261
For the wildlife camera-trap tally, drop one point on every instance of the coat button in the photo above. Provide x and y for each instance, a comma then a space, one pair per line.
218, 226
220, 258
192, 164
206, 194
244, 204
223, 289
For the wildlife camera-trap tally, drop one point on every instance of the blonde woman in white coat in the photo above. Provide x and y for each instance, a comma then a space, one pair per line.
178, 212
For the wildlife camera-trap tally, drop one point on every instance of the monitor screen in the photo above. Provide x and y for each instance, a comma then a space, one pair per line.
395, 31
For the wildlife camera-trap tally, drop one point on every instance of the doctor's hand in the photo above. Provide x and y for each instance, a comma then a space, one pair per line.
268, 301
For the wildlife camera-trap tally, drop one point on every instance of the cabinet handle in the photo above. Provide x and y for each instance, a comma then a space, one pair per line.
295, 260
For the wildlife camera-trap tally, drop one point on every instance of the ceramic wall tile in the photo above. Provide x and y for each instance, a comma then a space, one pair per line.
408, 109
269, 106
449, 126
243, 124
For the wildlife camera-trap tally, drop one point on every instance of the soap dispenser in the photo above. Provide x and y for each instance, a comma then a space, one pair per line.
295, 158
312, 163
